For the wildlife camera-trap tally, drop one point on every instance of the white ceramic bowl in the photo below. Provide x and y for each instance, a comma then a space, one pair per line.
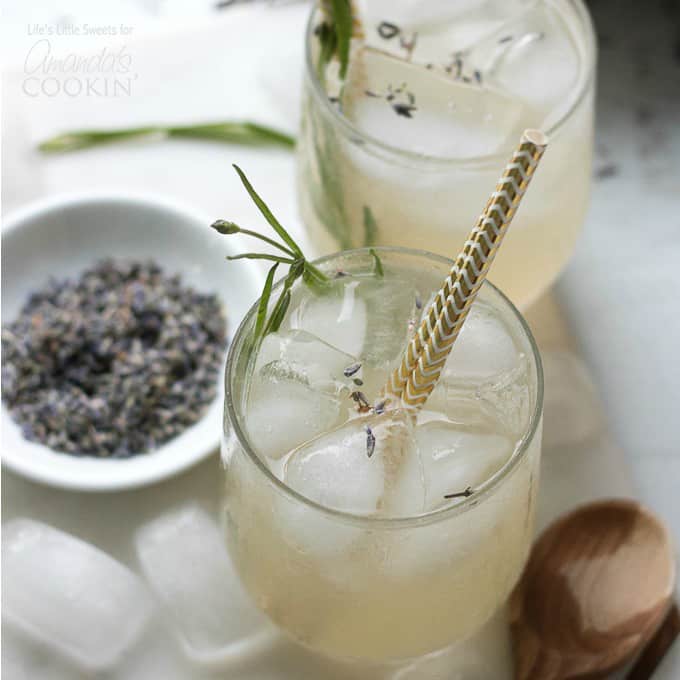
61, 237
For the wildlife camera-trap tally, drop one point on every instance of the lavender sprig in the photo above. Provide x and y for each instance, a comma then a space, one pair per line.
335, 33
233, 132
298, 266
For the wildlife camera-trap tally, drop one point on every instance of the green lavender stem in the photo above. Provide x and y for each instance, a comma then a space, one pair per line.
233, 132
298, 266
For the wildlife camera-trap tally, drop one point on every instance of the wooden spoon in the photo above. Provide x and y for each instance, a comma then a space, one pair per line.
598, 583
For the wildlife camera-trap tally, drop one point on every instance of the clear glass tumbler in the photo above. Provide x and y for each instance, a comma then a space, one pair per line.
367, 174
376, 588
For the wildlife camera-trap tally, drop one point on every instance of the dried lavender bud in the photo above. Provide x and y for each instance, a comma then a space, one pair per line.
351, 370
358, 382
387, 30
370, 442
113, 363
360, 399
379, 407
405, 110
460, 494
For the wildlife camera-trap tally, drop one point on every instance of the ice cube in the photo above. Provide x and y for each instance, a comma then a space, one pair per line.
452, 21
314, 361
26, 660
485, 381
336, 471
548, 65
532, 58
507, 401
70, 595
427, 111
367, 466
413, 12
392, 316
338, 317
484, 350
454, 459
185, 560
284, 411
157, 656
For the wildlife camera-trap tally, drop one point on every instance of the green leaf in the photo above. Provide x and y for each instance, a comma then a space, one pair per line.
298, 265
370, 227
235, 132
377, 264
267, 213
314, 276
261, 256
83, 139
264, 302
295, 272
328, 199
328, 39
226, 227
342, 22
278, 313
245, 133
268, 134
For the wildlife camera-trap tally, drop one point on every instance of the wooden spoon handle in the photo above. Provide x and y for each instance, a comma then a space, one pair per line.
657, 647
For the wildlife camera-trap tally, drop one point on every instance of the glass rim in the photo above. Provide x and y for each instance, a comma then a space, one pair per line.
349, 128
481, 493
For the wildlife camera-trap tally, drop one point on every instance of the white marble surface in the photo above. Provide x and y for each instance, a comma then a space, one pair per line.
620, 292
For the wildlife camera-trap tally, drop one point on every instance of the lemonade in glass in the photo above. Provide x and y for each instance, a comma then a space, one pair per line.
402, 152
363, 529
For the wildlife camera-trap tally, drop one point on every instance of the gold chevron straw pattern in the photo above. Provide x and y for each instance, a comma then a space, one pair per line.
417, 374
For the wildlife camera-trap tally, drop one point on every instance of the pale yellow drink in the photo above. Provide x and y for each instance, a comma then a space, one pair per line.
362, 556
368, 175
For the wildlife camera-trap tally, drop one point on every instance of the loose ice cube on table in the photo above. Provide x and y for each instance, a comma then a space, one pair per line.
70, 595
184, 558
24, 659
454, 459
156, 656
367, 466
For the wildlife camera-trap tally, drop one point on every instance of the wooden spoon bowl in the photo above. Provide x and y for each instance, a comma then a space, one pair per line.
598, 584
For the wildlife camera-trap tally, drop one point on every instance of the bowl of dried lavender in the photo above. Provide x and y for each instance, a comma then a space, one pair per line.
116, 317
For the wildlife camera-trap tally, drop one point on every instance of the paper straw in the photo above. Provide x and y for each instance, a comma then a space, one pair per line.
417, 374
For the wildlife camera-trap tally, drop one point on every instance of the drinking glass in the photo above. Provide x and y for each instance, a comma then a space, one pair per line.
369, 176
379, 588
